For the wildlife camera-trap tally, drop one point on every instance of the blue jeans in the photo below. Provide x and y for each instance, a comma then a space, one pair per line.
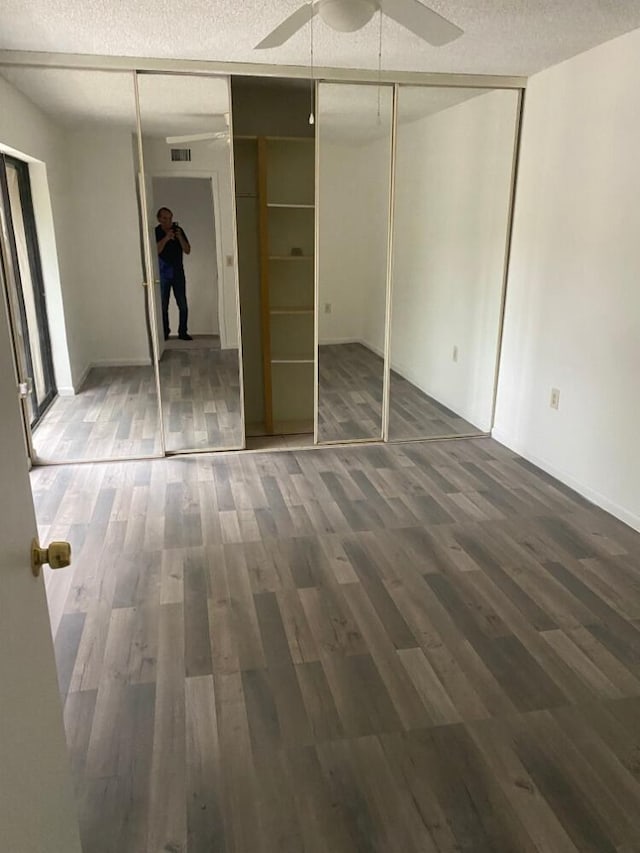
179, 286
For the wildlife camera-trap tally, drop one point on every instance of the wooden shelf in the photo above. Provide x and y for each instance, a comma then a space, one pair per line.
286, 189
293, 427
290, 257
291, 310
291, 206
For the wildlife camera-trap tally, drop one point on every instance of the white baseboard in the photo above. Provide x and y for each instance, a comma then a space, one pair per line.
122, 362
107, 362
583, 489
325, 342
77, 385
66, 391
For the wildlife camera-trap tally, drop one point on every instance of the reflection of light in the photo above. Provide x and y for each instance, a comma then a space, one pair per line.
312, 118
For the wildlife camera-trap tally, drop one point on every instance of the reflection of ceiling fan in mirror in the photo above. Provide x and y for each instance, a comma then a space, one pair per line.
220, 120
347, 16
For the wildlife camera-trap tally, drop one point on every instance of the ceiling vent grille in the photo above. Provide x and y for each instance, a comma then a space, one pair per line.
180, 155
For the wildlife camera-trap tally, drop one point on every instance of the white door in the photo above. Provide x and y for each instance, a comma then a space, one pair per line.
37, 812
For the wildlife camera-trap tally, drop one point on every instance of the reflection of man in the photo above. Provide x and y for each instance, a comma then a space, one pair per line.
172, 244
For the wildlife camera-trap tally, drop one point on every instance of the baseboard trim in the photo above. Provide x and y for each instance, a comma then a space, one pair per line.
124, 362
77, 385
597, 498
107, 362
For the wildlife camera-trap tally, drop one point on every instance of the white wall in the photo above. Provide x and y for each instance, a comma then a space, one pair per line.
104, 235
191, 201
206, 159
29, 134
353, 228
453, 181
573, 300
83, 183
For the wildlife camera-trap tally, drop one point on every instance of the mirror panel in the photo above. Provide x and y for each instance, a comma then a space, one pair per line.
72, 208
354, 173
454, 167
185, 123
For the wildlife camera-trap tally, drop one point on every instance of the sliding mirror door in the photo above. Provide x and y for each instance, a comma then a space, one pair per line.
72, 243
185, 124
354, 174
454, 170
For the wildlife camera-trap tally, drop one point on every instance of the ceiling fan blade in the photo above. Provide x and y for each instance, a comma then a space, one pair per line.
196, 137
289, 27
421, 20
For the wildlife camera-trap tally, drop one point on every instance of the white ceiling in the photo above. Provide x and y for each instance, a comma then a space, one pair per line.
169, 105
515, 37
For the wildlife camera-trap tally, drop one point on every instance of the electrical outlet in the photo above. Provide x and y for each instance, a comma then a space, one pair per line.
229, 260
454, 355
555, 398
327, 308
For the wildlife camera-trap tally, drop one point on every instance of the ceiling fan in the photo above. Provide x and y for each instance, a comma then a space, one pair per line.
347, 16
221, 119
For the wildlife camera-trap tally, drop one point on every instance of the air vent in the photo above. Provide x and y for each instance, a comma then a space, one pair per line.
181, 155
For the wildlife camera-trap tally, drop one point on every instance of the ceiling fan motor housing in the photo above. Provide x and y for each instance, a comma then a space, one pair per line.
347, 16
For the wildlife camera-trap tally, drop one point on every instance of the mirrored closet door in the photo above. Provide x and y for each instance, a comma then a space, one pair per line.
188, 182
453, 183
72, 245
354, 176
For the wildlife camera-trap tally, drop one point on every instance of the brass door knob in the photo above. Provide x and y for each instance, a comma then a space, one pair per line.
57, 555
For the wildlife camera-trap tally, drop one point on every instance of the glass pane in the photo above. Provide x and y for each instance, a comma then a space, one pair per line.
22, 253
83, 171
453, 181
354, 133
12, 284
189, 190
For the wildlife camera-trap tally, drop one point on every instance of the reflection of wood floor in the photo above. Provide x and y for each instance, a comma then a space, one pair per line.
350, 400
115, 414
349, 393
394, 649
200, 397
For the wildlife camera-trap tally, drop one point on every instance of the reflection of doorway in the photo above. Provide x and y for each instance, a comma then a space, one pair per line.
25, 288
192, 201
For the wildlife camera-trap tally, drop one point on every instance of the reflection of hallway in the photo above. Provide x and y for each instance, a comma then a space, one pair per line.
350, 400
114, 415
200, 395
344, 650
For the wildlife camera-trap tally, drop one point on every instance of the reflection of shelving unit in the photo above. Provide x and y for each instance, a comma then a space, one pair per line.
286, 203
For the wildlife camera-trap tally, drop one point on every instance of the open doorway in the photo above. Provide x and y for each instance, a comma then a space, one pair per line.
191, 201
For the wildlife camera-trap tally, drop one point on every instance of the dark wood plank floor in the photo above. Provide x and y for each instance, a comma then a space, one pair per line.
350, 400
398, 649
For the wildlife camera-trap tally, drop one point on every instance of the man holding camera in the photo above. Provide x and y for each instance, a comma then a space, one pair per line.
172, 244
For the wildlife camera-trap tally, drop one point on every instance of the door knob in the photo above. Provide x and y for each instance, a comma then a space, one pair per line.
57, 555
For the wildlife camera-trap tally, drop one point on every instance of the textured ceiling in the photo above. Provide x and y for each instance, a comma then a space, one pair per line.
516, 37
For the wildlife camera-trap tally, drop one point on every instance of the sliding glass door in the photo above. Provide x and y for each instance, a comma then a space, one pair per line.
25, 287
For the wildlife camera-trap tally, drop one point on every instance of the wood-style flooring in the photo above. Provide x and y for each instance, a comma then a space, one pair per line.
350, 400
200, 388
114, 415
393, 649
